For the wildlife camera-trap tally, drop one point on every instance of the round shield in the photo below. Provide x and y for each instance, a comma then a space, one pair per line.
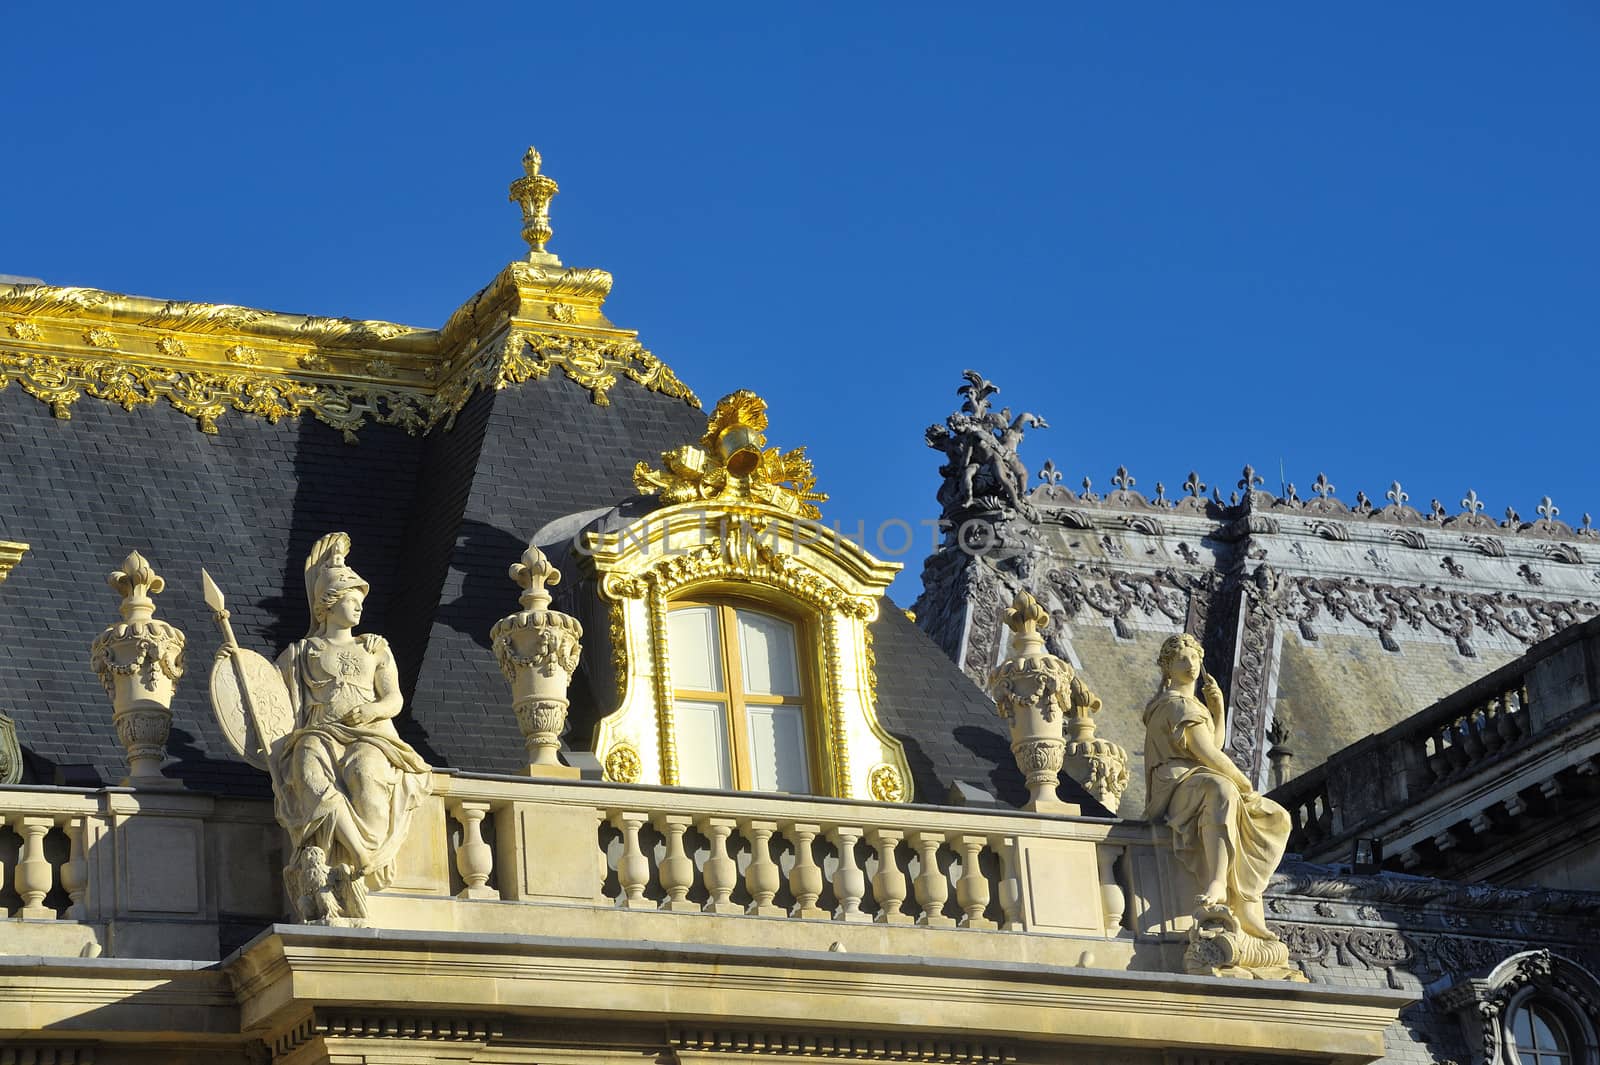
247, 693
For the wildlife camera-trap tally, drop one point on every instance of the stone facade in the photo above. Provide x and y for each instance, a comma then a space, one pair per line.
485, 888
1333, 619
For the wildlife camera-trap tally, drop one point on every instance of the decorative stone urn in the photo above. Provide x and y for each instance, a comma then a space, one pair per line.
1033, 691
140, 660
1098, 764
538, 650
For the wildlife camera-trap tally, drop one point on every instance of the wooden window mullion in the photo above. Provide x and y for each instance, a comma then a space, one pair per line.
733, 678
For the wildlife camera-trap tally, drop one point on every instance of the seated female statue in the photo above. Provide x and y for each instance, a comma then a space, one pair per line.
1227, 835
348, 783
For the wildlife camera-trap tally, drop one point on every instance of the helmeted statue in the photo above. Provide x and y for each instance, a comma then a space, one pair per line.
1225, 833
346, 786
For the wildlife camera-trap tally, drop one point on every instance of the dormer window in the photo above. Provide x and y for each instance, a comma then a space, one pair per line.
737, 627
740, 705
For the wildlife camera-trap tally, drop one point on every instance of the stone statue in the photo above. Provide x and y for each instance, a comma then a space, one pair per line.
1225, 833
984, 471
322, 725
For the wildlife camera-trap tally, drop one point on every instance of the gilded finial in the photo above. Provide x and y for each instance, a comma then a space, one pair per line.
731, 461
534, 574
533, 192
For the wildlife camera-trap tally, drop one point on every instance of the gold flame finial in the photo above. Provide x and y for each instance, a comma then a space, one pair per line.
533, 192
731, 461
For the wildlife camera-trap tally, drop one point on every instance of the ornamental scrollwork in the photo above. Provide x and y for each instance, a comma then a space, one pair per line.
1386, 608
623, 765
886, 784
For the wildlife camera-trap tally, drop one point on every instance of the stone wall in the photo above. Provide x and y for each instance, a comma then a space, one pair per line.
1331, 619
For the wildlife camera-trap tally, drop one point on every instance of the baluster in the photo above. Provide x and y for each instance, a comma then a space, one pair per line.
474, 857
75, 873
721, 872
805, 879
849, 882
1507, 720
889, 883
1489, 725
1456, 752
763, 877
633, 871
34, 876
1112, 900
972, 890
932, 887
1010, 883
1438, 761
677, 868
1472, 736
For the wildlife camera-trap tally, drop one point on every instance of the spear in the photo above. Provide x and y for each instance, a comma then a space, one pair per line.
219, 610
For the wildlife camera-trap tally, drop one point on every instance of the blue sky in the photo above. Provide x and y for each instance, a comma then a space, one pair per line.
1359, 238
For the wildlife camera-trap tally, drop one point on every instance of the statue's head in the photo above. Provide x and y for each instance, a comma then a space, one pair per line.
331, 585
1181, 655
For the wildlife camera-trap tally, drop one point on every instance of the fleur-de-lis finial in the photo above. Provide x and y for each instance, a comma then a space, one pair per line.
1470, 503
1322, 488
534, 575
1048, 472
1194, 485
534, 191
1026, 618
1396, 494
1548, 510
1122, 480
136, 582
1250, 480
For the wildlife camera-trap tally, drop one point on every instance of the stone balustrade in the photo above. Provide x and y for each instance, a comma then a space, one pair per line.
1477, 759
188, 875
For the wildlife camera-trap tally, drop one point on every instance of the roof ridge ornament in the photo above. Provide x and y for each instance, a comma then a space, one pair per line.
533, 192
731, 462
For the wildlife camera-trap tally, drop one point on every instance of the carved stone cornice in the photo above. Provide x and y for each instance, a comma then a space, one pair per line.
840, 1046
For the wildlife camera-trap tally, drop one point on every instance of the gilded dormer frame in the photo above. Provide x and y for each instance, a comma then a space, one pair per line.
741, 522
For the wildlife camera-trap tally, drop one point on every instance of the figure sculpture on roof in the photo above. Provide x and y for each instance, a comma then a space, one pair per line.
984, 471
1226, 834
322, 724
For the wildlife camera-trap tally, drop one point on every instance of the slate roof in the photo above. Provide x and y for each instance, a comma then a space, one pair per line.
434, 521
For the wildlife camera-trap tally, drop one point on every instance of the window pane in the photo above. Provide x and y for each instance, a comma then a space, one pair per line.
767, 652
1548, 1033
702, 745
778, 749
1522, 1028
692, 642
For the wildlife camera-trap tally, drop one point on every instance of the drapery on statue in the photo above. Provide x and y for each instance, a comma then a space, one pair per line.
321, 724
984, 470
1227, 835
